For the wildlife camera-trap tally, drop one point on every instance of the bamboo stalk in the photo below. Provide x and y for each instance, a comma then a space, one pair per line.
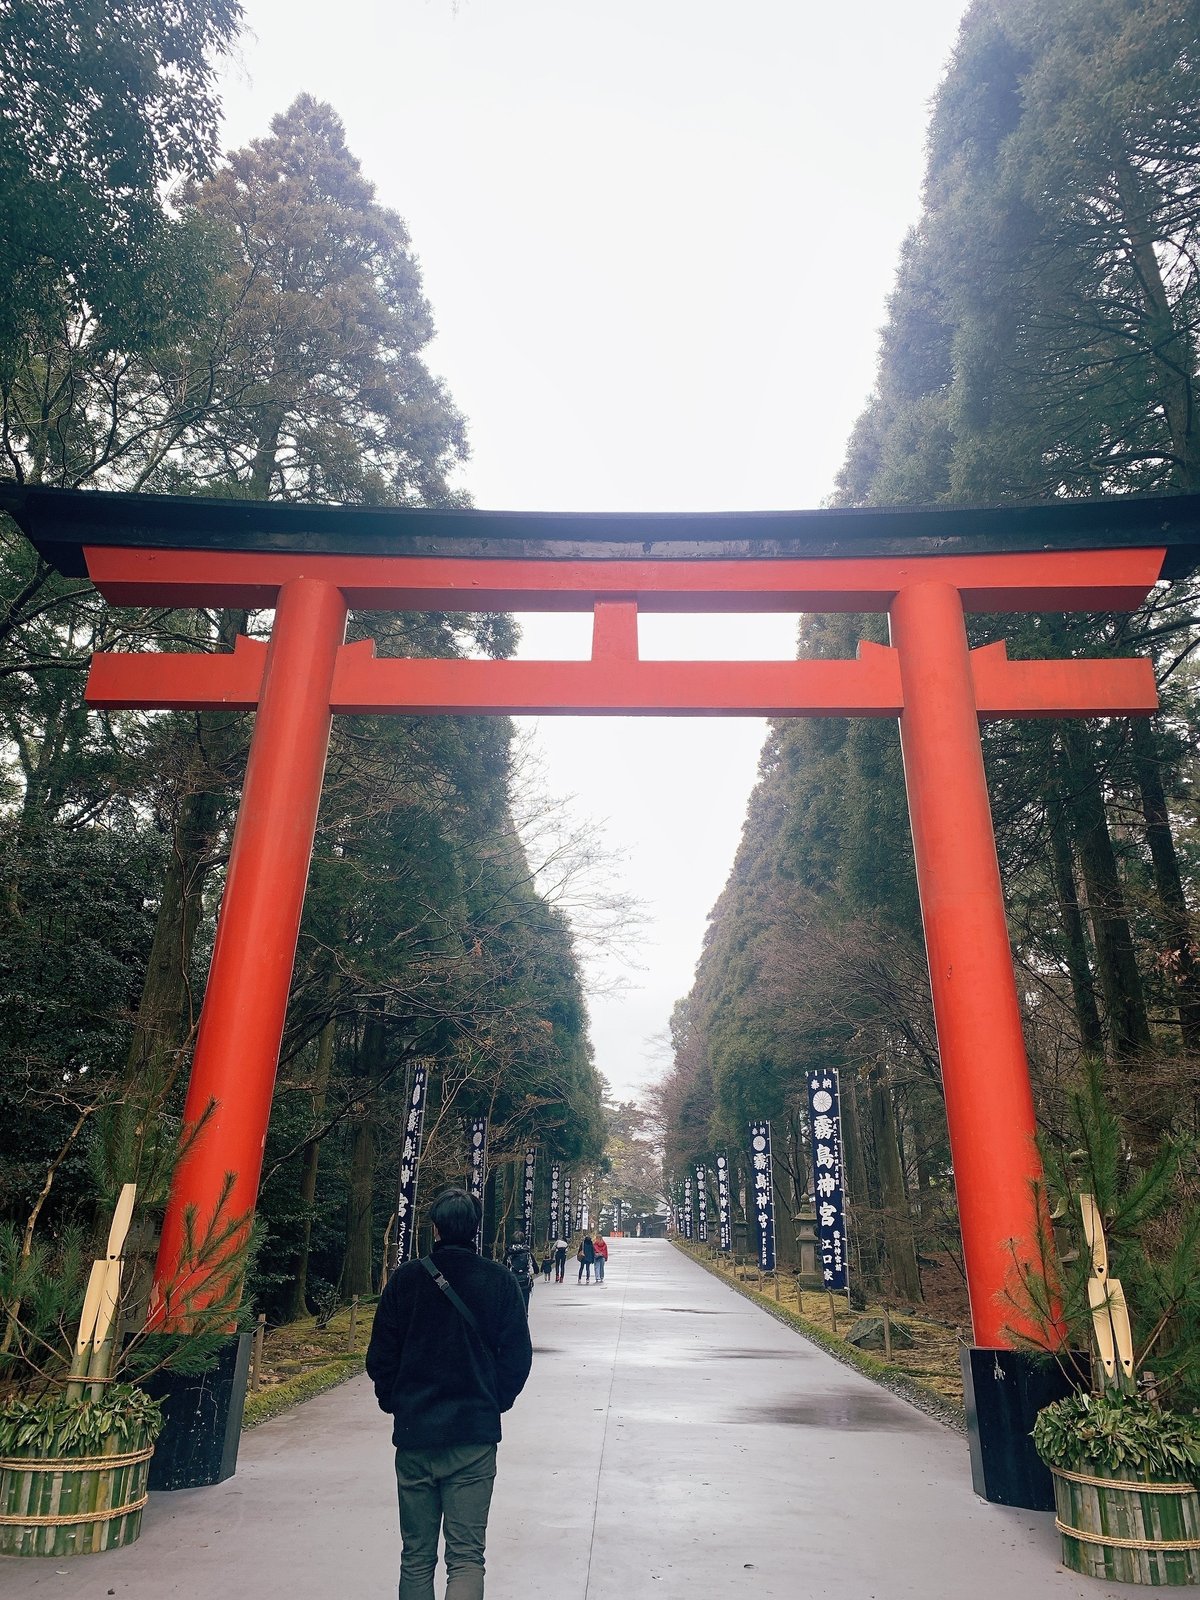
1091, 1515
260, 1333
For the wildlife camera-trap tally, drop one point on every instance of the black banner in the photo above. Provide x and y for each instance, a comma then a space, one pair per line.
530, 1169
554, 1177
724, 1226
410, 1167
824, 1106
764, 1193
687, 1208
702, 1201
567, 1206
479, 1167
581, 1208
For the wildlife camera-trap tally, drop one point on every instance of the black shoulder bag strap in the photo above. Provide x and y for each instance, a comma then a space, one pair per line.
455, 1300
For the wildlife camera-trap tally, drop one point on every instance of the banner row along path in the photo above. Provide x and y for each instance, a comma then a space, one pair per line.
675, 1442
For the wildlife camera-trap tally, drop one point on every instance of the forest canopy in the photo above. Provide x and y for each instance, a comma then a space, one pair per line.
1040, 343
260, 334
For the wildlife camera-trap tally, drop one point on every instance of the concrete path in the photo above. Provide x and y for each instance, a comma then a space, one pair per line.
674, 1442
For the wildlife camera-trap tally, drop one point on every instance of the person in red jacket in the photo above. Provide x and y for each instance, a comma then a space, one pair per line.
601, 1250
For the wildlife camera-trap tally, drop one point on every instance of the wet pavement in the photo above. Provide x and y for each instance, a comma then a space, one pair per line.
674, 1442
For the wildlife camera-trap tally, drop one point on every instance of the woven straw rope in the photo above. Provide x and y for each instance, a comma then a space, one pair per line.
75, 1463
80, 1464
1126, 1544
1131, 1486
82, 1516
1134, 1485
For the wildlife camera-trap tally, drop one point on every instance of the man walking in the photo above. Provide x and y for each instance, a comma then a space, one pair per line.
560, 1259
519, 1260
449, 1352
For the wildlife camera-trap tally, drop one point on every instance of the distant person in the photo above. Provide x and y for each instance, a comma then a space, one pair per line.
560, 1259
586, 1257
519, 1260
601, 1249
449, 1352
546, 1265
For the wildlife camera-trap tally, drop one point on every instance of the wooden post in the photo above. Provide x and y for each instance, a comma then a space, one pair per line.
353, 1322
775, 1281
887, 1334
260, 1333
832, 1312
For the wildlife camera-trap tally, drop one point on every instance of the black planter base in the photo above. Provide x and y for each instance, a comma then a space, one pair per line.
1003, 1391
203, 1412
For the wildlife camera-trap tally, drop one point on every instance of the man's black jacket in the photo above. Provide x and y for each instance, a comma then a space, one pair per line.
442, 1383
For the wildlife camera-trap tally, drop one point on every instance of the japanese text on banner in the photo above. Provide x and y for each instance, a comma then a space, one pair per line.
824, 1105
763, 1191
725, 1229
410, 1166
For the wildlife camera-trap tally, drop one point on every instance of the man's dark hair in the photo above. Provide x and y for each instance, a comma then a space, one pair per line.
456, 1216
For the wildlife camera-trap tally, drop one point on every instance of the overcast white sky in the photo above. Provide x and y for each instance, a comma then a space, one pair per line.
657, 236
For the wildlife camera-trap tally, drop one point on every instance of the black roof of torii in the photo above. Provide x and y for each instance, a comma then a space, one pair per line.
60, 522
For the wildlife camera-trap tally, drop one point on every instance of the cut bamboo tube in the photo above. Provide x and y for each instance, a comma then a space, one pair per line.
87, 1327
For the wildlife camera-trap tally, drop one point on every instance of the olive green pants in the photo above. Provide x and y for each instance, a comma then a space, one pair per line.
446, 1491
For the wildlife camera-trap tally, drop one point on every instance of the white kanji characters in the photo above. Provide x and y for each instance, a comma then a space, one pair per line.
827, 1214
824, 1156
822, 1127
825, 1185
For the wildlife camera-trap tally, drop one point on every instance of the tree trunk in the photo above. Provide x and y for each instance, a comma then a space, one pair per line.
863, 1244
310, 1158
1083, 992
787, 1253
1168, 344
357, 1265
900, 1250
166, 1009
1180, 961
1120, 982
266, 450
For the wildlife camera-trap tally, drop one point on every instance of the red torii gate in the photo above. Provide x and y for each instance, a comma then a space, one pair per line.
926, 570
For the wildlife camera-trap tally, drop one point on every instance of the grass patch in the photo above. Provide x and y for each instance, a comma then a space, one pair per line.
301, 1360
280, 1397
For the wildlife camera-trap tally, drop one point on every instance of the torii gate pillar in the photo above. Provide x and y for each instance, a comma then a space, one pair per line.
989, 1102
